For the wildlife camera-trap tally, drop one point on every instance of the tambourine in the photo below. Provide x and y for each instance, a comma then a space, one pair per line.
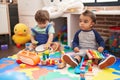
40, 48
54, 46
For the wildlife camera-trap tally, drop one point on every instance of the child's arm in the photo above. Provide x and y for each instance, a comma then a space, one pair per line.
100, 41
75, 43
33, 41
50, 39
50, 35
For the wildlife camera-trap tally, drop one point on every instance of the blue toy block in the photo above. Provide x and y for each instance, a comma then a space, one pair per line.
82, 73
66, 47
82, 78
27, 45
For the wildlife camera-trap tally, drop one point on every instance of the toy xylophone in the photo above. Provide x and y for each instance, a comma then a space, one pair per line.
94, 54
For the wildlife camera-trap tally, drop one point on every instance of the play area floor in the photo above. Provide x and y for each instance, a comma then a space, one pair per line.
10, 70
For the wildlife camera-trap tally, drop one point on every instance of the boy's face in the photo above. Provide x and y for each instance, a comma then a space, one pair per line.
42, 25
85, 22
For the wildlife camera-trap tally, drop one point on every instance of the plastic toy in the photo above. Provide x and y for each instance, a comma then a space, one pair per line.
89, 63
4, 47
40, 48
66, 47
77, 68
22, 65
114, 40
27, 45
62, 52
114, 43
82, 75
54, 46
93, 54
21, 34
90, 69
46, 54
28, 57
50, 62
19, 61
62, 63
62, 35
84, 65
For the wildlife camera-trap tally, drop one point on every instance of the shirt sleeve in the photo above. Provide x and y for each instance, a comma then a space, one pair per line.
51, 29
75, 42
32, 33
99, 39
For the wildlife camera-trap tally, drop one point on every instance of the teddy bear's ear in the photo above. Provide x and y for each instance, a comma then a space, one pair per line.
51, 2
52, 7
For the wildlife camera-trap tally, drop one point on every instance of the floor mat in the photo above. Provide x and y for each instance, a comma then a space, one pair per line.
9, 69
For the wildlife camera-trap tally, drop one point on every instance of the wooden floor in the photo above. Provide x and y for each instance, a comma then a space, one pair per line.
12, 49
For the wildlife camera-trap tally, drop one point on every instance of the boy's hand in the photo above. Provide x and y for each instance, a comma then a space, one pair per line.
34, 42
47, 45
100, 49
32, 46
76, 49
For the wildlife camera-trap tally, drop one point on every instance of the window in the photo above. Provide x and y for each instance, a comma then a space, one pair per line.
101, 2
107, 0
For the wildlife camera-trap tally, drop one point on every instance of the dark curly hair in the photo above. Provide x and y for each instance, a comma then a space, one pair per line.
90, 14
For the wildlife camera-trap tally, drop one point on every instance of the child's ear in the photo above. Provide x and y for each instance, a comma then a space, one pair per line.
92, 23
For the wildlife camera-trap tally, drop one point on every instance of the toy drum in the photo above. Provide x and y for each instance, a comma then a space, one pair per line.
54, 46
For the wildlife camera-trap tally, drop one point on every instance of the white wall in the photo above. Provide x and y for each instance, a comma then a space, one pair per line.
27, 9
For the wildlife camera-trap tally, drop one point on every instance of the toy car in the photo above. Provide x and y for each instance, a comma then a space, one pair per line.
28, 57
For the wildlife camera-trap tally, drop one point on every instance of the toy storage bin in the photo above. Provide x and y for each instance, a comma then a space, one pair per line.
114, 40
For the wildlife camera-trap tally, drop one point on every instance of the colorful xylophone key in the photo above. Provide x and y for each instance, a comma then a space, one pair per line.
93, 54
